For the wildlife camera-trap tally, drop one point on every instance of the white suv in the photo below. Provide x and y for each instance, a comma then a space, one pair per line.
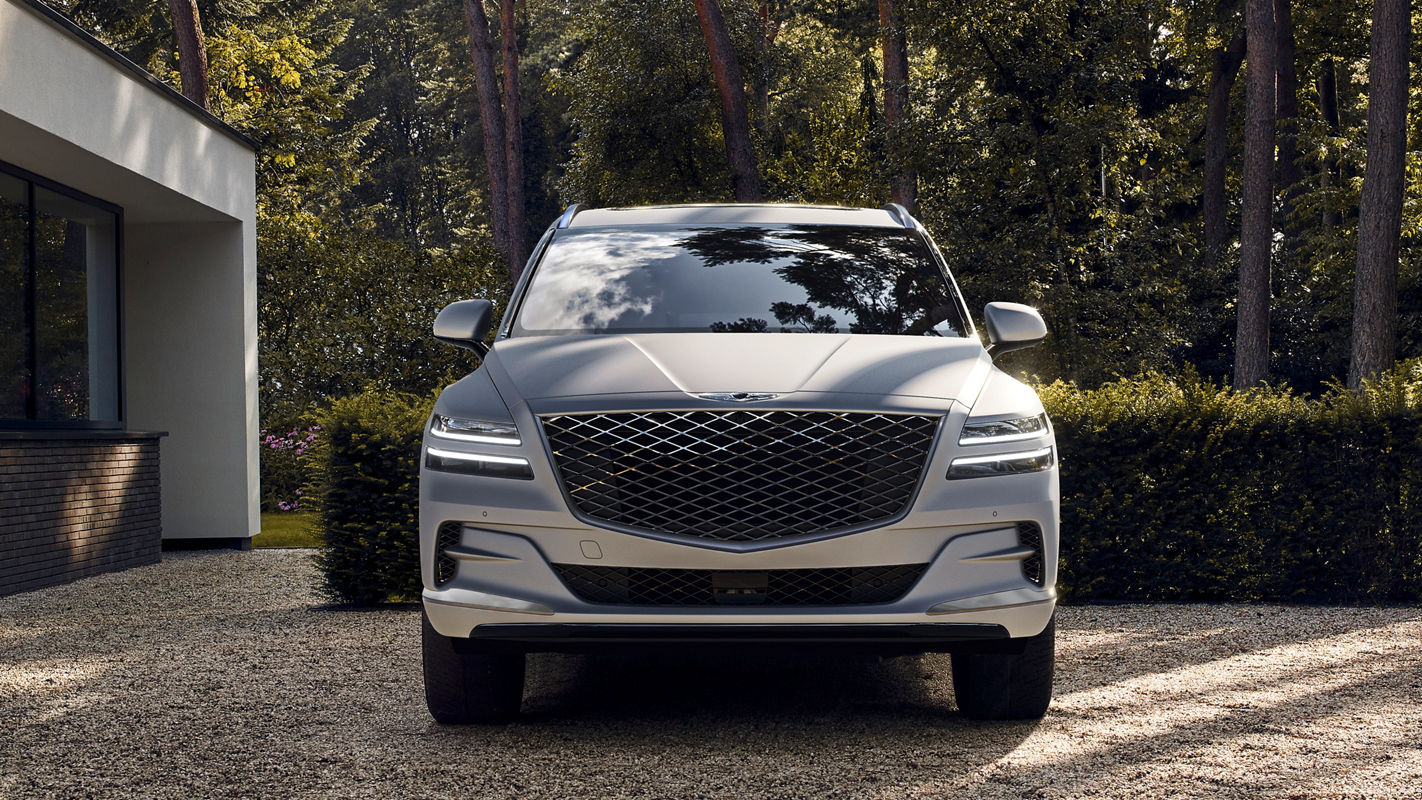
645, 457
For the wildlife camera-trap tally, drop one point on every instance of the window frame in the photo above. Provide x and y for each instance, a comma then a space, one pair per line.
30, 423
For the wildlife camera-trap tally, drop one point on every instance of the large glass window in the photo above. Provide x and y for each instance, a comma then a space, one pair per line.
59, 357
14, 279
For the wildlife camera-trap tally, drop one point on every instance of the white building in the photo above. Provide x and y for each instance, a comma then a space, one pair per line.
127, 309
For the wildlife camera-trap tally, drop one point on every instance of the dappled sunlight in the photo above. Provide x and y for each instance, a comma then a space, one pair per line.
1259, 671
47, 691
1352, 701
121, 674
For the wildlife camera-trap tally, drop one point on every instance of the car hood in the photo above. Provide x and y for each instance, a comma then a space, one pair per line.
539, 367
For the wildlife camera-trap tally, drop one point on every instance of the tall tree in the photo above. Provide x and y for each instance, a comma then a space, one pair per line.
736, 127
1222, 75
192, 50
903, 184
481, 52
513, 139
1380, 208
1256, 235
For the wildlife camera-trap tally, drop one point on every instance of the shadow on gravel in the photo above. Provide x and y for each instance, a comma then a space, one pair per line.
803, 712
751, 684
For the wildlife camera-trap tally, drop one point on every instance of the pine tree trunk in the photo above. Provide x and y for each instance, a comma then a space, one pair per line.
192, 50
734, 124
513, 139
1256, 236
1380, 208
1328, 105
481, 52
903, 184
1215, 210
1287, 105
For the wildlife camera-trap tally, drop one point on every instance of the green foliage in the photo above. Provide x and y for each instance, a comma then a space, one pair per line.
342, 309
366, 492
1173, 489
1055, 172
1177, 489
272, 76
644, 108
1058, 146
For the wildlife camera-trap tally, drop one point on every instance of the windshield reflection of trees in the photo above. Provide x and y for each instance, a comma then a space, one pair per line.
879, 278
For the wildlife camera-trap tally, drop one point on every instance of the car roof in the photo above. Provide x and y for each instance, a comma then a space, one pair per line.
735, 214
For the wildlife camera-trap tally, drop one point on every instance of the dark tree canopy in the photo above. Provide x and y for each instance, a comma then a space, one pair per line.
1084, 156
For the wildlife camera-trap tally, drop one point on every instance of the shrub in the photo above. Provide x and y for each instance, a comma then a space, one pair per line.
1173, 488
365, 487
284, 466
1177, 489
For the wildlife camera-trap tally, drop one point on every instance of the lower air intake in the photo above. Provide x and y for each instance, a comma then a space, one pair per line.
1029, 534
449, 535
641, 586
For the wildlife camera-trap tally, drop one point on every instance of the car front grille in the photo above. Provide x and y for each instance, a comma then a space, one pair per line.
705, 587
740, 476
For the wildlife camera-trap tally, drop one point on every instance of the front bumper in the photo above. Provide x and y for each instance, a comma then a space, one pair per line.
506, 590
506, 587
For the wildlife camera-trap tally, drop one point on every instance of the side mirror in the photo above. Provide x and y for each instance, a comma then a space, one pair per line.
465, 324
1012, 326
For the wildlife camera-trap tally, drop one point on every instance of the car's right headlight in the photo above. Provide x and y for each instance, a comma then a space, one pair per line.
475, 430
484, 465
1001, 431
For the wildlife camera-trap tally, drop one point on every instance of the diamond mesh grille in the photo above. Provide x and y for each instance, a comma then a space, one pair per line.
740, 476
1029, 534
704, 587
449, 535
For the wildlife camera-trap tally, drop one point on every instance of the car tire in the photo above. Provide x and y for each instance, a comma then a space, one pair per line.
464, 685
1001, 687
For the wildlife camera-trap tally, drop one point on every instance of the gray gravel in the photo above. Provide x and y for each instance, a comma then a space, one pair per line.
218, 675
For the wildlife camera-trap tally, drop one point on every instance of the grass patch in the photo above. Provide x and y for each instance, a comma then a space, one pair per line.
287, 529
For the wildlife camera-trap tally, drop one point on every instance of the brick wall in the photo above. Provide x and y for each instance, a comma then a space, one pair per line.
75, 506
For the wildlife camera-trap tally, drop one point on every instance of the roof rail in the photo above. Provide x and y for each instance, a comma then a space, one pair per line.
900, 214
567, 218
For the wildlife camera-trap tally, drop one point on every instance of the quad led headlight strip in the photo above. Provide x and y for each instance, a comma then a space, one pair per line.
476, 432
1001, 432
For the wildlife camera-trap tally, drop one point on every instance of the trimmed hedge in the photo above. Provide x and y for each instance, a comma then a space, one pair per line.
366, 491
1177, 489
1173, 488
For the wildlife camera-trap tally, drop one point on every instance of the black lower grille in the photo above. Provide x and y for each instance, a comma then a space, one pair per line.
740, 476
1029, 534
644, 586
449, 535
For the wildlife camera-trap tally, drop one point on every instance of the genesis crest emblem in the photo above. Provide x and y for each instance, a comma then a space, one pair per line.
738, 397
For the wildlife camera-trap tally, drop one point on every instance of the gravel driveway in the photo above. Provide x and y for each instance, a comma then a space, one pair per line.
217, 675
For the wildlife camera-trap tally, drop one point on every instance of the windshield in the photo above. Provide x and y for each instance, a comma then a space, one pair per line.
769, 279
